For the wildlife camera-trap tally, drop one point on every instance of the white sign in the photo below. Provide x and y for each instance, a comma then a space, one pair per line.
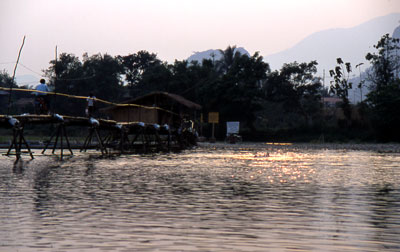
232, 128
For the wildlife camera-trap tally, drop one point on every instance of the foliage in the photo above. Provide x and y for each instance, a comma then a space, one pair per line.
384, 98
229, 56
237, 93
304, 94
140, 68
105, 71
385, 105
297, 88
385, 63
6, 101
236, 85
340, 85
6, 80
97, 74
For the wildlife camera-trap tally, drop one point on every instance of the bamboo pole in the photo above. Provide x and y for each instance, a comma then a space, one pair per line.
13, 77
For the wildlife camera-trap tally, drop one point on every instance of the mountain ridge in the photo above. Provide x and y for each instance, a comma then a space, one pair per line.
350, 44
212, 53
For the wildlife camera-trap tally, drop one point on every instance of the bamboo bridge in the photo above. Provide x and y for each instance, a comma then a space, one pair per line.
118, 137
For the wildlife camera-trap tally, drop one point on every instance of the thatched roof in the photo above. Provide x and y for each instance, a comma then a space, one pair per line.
177, 98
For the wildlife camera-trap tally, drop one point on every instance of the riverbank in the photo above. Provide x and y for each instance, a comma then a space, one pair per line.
376, 147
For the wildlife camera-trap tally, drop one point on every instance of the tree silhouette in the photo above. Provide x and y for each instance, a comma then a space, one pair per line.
341, 85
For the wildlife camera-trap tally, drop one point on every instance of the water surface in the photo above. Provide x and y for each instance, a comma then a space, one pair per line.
253, 197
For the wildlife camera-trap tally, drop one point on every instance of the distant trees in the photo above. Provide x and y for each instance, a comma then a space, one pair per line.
97, 74
103, 77
229, 56
295, 92
139, 70
340, 85
305, 89
385, 63
237, 91
7, 102
384, 98
240, 87
6, 80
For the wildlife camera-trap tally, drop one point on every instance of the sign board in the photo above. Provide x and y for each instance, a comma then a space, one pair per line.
213, 117
232, 128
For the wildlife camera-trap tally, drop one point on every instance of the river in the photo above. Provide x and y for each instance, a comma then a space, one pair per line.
243, 197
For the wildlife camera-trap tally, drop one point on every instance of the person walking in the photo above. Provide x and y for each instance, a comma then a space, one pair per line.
90, 105
41, 100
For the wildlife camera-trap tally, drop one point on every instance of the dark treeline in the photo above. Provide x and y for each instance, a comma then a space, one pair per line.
276, 105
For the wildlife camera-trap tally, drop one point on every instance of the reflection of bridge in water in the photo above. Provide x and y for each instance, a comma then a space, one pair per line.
105, 135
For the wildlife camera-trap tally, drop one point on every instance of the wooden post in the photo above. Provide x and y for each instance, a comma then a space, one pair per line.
87, 140
66, 138
212, 133
48, 143
213, 118
61, 142
102, 148
55, 143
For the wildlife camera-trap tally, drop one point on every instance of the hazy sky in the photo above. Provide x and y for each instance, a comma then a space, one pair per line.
173, 29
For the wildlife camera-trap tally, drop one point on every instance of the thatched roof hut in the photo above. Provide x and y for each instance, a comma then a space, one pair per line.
155, 107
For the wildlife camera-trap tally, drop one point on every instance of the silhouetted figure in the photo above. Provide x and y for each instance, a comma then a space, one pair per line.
41, 100
90, 105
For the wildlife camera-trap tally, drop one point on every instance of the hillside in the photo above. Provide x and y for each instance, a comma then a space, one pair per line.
209, 54
350, 44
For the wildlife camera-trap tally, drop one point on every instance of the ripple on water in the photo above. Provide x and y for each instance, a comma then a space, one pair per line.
230, 198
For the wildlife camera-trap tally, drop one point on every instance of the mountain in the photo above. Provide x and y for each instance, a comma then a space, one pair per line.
356, 94
350, 44
396, 33
209, 54
26, 80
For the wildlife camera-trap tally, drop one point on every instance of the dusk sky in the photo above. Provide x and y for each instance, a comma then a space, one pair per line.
172, 29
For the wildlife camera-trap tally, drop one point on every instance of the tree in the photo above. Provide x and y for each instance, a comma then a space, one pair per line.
97, 74
383, 100
228, 57
155, 78
135, 67
341, 85
237, 94
304, 95
6, 81
385, 63
106, 72
296, 88
66, 74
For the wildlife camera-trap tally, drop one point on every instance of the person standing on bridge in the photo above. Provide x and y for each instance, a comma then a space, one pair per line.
41, 101
90, 105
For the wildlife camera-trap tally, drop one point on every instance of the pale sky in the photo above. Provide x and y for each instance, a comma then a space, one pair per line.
173, 29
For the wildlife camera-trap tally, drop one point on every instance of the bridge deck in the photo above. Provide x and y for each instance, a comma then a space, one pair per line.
146, 136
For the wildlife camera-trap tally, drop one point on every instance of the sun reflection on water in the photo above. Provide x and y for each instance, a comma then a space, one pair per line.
274, 166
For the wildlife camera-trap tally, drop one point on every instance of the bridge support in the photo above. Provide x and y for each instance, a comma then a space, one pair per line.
59, 133
18, 139
94, 130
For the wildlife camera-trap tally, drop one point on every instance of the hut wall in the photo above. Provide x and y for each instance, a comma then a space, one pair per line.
135, 115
